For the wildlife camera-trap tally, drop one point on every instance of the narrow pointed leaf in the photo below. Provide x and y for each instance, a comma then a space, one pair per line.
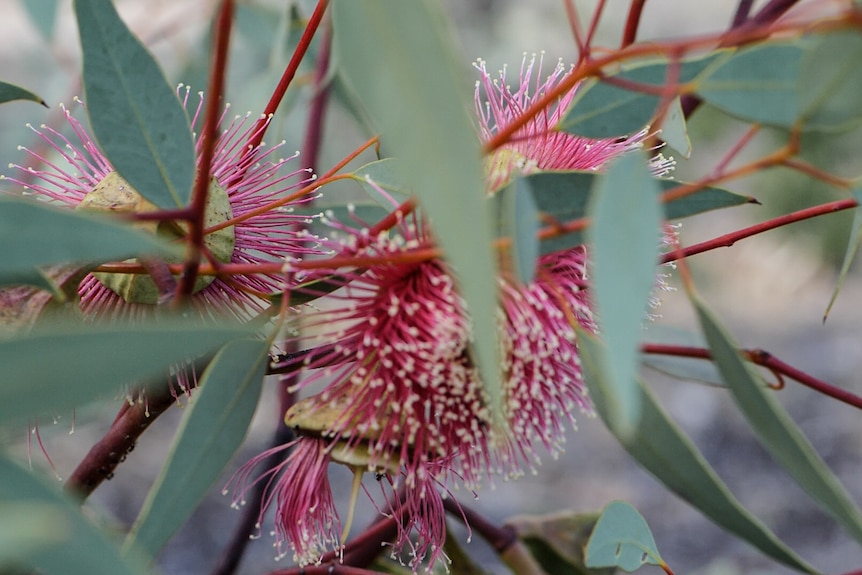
397, 56
11, 92
73, 237
665, 451
74, 544
622, 538
212, 430
776, 430
563, 196
136, 116
59, 366
624, 238
852, 247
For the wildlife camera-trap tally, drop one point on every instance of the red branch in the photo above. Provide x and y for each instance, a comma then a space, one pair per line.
633, 22
208, 142
764, 359
111, 450
728, 240
288, 75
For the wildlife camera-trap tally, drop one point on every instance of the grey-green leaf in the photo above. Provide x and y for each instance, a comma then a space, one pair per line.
11, 92
72, 544
622, 538
757, 84
830, 81
59, 366
563, 197
136, 116
212, 430
664, 450
776, 430
34, 234
852, 247
43, 14
602, 110
397, 56
624, 238
519, 221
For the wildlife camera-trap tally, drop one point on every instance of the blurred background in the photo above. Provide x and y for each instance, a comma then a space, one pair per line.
771, 290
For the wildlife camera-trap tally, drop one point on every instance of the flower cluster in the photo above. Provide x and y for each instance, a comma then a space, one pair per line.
75, 173
402, 396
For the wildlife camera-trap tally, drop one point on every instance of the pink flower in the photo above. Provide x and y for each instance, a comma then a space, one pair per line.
538, 145
402, 397
306, 516
77, 174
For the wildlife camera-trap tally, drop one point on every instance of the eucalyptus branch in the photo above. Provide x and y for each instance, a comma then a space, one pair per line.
764, 359
209, 133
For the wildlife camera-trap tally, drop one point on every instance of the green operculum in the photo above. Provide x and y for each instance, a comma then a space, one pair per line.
114, 194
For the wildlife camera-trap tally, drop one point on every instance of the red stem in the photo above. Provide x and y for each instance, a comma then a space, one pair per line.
111, 450
633, 22
728, 240
500, 538
765, 359
288, 75
208, 142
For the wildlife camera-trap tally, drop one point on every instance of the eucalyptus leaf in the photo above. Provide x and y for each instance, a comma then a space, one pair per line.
73, 237
43, 14
60, 365
211, 432
397, 56
71, 544
776, 430
830, 81
11, 92
853, 242
622, 538
136, 116
562, 196
757, 83
624, 237
665, 451
603, 110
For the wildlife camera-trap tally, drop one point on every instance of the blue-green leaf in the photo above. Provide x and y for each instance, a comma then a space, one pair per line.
397, 56
62, 365
757, 84
624, 238
43, 14
665, 451
519, 221
136, 116
563, 196
776, 430
622, 538
602, 110
212, 430
830, 81
852, 247
674, 130
71, 544
73, 237
11, 92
